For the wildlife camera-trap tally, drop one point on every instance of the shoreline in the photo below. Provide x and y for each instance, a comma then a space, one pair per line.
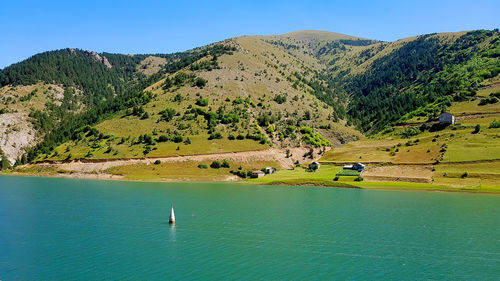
381, 186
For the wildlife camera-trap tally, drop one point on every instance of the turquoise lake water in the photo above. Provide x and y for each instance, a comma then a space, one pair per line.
67, 229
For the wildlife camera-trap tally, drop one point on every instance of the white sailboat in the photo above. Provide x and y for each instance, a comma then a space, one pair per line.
171, 219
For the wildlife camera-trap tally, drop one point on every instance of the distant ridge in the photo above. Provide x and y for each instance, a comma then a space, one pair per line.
319, 35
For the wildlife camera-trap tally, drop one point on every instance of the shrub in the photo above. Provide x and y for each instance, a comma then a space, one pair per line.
240, 137
495, 124
231, 137
157, 162
203, 166
360, 178
387, 130
215, 135
167, 114
424, 127
262, 139
264, 120
201, 102
311, 138
309, 154
225, 164
489, 100
229, 118
238, 100
280, 99
178, 138
148, 139
177, 98
270, 129
307, 115
410, 132
464, 175
242, 174
108, 150
200, 82
163, 138
335, 178
215, 164
477, 129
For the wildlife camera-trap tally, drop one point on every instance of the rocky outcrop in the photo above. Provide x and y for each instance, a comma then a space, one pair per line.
16, 134
98, 58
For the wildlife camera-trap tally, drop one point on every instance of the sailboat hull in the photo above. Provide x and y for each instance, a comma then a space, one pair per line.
171, 219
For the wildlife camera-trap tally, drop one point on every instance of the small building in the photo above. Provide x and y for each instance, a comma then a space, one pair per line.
314, 166
270, 170
358, 167
257, 174
446, 118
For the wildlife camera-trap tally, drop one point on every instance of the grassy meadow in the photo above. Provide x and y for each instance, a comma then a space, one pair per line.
187, 170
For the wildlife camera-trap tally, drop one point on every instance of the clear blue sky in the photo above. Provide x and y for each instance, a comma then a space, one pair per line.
164, 26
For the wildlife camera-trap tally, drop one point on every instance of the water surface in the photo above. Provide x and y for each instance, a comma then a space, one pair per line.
66, 229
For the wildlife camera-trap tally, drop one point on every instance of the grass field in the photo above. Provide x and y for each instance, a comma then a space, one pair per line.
457, 169
471, 147
477, 175
487, 91
187, 170
473, 107
483, 120
408, 173
324, 177
388, 149
348, 173
35, 170
325, 174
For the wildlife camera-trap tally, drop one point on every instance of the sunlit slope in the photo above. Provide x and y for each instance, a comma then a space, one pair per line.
245, 99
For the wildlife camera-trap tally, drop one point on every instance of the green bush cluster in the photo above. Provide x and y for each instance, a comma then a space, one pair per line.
167, 114
312, 138
410, 132
494, 124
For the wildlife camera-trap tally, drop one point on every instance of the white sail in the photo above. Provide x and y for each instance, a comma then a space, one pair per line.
172, 215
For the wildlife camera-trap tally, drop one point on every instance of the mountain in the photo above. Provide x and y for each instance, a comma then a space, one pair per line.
387, 82
305, 88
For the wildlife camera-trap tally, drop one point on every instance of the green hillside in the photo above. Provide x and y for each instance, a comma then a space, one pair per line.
306, 88
235, 101
47, 97
388, 83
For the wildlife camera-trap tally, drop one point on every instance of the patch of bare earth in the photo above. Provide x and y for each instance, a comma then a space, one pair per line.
404, 173
151, 65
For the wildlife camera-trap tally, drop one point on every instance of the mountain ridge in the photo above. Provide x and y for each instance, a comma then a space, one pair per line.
283, 76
